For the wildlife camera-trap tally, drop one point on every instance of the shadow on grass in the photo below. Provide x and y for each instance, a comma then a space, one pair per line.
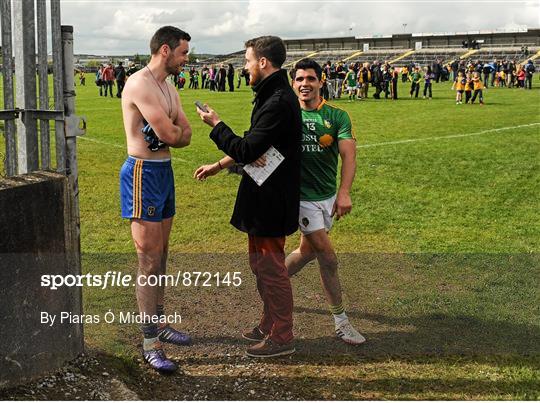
440, 304
426, 337
431, 335
433, 323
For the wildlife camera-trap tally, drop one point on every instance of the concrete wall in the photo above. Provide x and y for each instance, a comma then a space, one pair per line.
35, 239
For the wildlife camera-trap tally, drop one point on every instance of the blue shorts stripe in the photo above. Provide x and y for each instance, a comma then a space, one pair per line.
150, 196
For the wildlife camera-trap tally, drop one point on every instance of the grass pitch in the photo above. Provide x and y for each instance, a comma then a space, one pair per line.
438, 259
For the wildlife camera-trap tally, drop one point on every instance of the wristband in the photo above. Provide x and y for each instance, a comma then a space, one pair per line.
220, 167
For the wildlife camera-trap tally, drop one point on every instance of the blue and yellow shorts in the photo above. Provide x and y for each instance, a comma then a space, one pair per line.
147, 189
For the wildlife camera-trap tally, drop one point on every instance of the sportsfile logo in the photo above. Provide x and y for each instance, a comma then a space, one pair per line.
118, 279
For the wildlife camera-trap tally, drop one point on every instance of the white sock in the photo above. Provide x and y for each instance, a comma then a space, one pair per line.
150, 344
340, 318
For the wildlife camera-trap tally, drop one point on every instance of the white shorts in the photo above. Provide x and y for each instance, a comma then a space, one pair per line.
351, 88
316, 215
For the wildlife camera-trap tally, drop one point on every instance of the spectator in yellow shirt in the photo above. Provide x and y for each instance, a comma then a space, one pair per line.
478, 87
469, 85
459, 86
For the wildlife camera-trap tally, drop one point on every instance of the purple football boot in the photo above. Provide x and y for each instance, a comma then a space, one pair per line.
157, 360
173, 336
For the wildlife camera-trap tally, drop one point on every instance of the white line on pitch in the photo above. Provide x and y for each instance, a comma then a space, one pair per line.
120, 146
452, 136
84, 110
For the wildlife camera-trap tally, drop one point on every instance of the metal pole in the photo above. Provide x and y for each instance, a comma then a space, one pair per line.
69, 110
25, 75
58, 84
43, 82
7, 74
74, 246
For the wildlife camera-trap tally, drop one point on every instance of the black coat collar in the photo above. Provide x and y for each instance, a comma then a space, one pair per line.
270, 83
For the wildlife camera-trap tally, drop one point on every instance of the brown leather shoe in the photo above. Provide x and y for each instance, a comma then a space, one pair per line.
268, 348
254, 334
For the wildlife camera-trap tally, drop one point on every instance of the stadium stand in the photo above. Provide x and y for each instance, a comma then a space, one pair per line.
399, 57
401, 49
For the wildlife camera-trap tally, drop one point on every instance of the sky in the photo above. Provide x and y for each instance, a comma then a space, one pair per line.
221, 27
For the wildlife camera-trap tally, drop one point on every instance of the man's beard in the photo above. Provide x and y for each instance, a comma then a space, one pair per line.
255, 77
172, 68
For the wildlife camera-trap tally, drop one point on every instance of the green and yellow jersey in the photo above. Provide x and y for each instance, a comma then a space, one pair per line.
350, 78
415, 77
322, 129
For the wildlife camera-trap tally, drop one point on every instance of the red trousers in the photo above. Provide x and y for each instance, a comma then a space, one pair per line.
267, 262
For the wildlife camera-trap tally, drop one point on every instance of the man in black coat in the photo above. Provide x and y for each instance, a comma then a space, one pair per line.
437, 69
120, 74
376, 79
269, 212
222, 77
230, 77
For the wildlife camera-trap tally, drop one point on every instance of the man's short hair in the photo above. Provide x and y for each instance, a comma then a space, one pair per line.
308, 63
167, 35
270, 47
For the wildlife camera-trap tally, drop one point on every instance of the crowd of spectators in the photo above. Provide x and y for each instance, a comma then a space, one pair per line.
218, 78
383, 77
354, 78
108, 76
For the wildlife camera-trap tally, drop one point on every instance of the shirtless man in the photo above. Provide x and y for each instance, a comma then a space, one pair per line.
154, 121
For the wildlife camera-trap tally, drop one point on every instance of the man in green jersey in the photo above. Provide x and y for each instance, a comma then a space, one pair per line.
415, 77
326, 132
351, 82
